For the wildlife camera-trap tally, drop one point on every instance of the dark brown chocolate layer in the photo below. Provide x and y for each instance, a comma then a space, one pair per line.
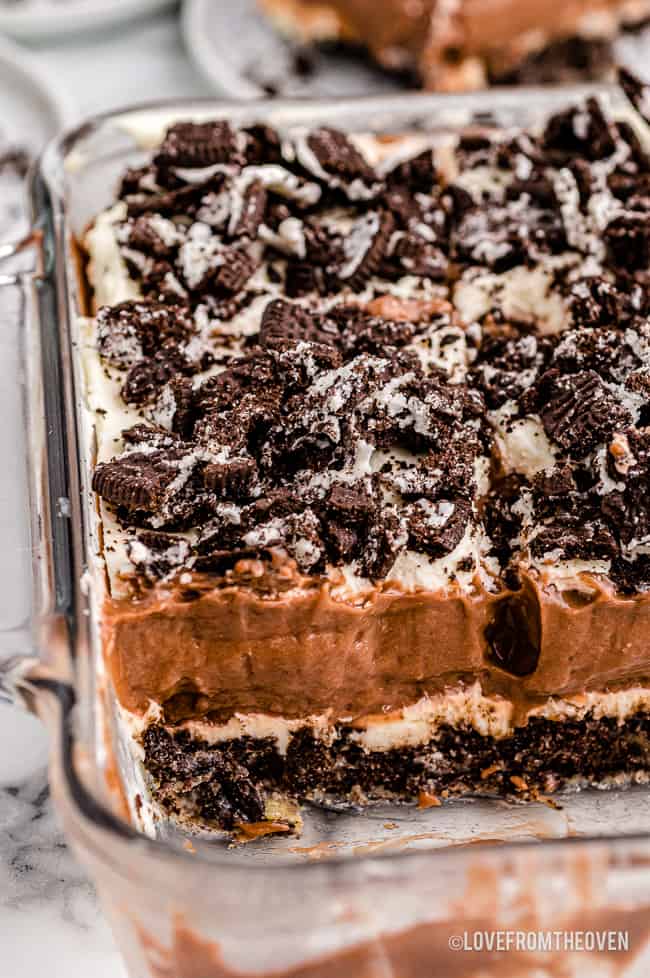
226, 783
231, 650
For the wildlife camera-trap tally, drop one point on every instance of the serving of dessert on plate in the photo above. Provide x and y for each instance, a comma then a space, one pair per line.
456, 45
372, 463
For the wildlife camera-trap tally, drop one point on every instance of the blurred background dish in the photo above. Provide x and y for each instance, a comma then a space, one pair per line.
304, 47
32, 110
40, 20
242, 55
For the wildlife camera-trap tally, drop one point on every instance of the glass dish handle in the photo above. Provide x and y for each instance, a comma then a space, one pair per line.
32, 654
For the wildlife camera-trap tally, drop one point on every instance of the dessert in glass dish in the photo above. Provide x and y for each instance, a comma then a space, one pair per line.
454, 45
372, 457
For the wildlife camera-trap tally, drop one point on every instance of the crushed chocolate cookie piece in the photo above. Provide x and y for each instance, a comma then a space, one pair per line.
155, 236
457, 203
152, 435
364, 248
300, 362
138, 180
146, 378
236, 268
554, 484
420, 257
339, 157
156, 555
181, 406
350, 503
362, 333
596, 302
246, 219
631, 577
199, 144
627, 507
226, 389
263, 145
436, 528
182, 202
302, 279
578, 411
571, 537
639, 160
538, 188
234, 477
610, 353
137, 480
283, 323
160, 283
342, 541
503, 237
627, 239
509, 359
418, 173
579, 131
132, 330
298, 533
405, 208
388, 536
222, 534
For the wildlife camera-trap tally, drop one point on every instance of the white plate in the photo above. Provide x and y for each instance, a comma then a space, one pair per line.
32, 106
43, 19
242, 55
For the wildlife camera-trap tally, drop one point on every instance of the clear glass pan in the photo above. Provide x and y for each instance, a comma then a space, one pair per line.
386, 894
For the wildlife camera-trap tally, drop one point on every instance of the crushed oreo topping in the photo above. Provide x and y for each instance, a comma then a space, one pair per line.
199, 144
302, 386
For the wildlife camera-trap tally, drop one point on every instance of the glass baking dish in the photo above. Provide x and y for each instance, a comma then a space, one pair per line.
473, 888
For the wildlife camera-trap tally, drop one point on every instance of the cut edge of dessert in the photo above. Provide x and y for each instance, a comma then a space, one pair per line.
461, 45
372, 457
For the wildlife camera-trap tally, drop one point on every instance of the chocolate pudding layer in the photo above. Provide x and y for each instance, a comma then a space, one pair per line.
372, 425
201, 648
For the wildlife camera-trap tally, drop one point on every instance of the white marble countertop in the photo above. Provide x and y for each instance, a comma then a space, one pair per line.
50, 921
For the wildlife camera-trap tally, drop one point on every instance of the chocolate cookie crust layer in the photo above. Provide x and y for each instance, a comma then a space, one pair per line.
372, 428
228, 784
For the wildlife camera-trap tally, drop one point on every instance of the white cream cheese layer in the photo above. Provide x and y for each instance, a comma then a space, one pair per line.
413, 726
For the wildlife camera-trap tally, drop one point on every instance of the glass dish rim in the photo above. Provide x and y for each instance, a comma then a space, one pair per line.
93, 814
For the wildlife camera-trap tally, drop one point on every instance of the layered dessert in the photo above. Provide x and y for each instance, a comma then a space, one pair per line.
371, 421
455, 45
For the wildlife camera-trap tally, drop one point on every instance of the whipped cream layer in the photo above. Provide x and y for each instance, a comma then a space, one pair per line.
414, 725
